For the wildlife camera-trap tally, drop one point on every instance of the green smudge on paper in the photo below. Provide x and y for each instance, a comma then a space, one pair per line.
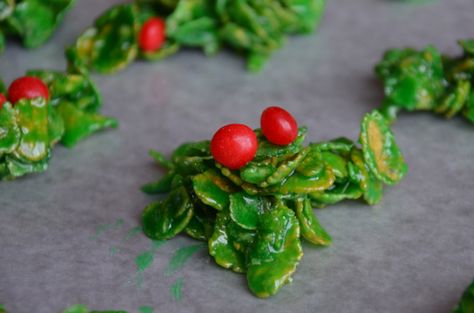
156, 244
145, 309
144, 260
133, 232
2, 309
76, 308
180, 258
101, 229
80, 308
176, 289
114, 250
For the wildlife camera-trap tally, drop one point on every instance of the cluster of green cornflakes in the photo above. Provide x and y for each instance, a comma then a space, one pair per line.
30, 128
254, 28
427, 80
254, 218
32, 21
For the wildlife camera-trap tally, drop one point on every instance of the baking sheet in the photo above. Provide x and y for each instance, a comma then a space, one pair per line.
66, 236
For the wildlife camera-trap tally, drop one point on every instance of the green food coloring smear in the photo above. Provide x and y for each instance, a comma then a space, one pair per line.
80, 308
144, 260
114, 251
176, 289
145, 309
76, 308
180, 258
133, 232
101, 229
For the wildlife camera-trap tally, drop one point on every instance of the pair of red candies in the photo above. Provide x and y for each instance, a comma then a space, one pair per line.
25, 88
235, 145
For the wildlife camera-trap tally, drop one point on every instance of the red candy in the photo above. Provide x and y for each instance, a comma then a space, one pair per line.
3, 99
152, 35
27, 88
278, 126
234, 145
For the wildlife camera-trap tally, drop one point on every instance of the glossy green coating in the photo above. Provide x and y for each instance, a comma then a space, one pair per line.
76, 100
34, 21
266, 149
284, 169
466, 304
212, 189
253, 218
80, 124
341, 146
252, 28
360, 173
31, 21
108, 46
336, 162
10, 133
455, 99
312, 165
56, 126
161, 186
257, 172
75, 88
311, 229
201, 225
427, 80
193, 24
165, 219
275, 252
298, 183
380, 150
246, 209
222, 247
338, 192
34, 144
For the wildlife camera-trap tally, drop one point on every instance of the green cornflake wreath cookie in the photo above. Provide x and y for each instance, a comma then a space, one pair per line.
32, 21
155, 29
427, 80
254, 215
65, 110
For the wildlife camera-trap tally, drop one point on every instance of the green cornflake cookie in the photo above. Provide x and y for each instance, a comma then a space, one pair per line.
254, 218
427, 80
31, 21
109, 45
254, 29
30, 129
